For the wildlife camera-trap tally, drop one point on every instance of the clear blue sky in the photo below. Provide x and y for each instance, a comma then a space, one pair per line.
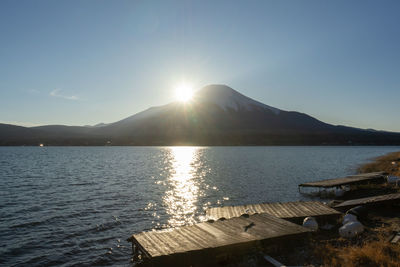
85, 62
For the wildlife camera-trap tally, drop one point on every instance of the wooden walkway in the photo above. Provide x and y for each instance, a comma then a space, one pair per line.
375, 200
208, 239
287, 210
348, 180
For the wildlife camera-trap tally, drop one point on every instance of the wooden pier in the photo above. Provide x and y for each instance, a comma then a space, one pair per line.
197, 244
293, 211
372, 177
370, 201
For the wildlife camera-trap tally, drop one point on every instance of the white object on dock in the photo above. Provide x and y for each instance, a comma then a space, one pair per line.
351, 229
310, 223
349, 218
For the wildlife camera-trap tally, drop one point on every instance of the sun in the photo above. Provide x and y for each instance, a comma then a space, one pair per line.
184, 93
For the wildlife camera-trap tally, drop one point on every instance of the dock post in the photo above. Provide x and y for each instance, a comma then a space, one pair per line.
134, 251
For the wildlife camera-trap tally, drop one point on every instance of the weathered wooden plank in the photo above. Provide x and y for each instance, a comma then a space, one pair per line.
285, 210
210, 235
375, 200
352, 179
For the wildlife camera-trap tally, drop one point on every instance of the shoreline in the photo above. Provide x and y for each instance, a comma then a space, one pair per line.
326, 248
389, 163
370, 248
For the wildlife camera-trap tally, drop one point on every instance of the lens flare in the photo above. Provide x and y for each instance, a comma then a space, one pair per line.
184, 92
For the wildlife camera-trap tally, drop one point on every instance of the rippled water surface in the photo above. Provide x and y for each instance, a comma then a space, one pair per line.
78, 205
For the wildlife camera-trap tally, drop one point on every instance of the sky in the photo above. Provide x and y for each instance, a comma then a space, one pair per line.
86, 62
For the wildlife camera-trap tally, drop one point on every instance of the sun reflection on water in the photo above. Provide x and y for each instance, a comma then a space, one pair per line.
181, 199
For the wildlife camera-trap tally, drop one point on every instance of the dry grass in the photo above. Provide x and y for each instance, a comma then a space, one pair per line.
373, 248
389, 163
372, 253
370, 248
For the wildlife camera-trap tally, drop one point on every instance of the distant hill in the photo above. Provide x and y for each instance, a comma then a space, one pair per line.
217, 115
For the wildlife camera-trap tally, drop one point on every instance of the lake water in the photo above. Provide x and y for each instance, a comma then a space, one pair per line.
77, 205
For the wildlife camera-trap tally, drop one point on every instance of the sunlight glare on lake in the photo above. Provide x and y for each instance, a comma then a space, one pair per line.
181, 200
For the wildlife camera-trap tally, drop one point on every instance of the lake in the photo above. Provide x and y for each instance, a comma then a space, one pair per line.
69, 206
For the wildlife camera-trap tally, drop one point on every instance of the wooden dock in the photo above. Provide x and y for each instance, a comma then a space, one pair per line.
294, 211
196, 244
348, 180
370, 201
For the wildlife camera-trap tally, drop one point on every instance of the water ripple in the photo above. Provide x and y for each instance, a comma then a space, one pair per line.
76, 206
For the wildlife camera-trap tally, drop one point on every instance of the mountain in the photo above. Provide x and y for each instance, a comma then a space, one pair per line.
217, 115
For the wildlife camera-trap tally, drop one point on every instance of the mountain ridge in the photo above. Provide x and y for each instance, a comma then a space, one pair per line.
217, 115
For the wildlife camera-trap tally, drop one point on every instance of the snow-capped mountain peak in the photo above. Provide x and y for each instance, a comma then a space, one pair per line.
227, 98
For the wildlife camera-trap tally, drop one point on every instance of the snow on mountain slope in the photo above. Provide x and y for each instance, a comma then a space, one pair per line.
217, 115
221, 95
227, 98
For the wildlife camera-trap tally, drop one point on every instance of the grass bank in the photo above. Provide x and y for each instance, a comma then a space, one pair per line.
389, 163
373, 247
326, 248
370, 248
